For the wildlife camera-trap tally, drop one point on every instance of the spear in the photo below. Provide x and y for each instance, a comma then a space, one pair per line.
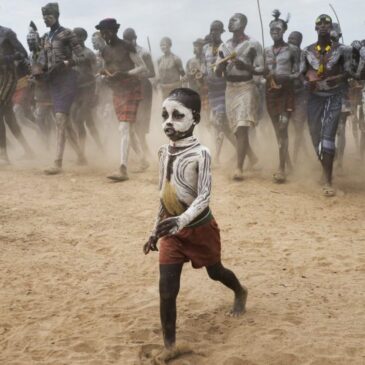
262, 26
338, 21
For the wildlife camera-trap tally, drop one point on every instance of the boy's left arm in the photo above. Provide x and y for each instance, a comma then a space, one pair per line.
174, 224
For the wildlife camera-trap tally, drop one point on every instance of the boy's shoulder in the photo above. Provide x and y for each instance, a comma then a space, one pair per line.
204, 149
162, 150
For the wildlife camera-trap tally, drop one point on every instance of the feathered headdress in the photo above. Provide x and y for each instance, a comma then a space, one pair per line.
32, 27
276, 14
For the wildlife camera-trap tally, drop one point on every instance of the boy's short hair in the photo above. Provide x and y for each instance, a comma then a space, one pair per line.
188, 97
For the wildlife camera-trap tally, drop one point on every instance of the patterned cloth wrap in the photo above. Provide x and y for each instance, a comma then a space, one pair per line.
126, 99
242, 103
280, 100
323, 116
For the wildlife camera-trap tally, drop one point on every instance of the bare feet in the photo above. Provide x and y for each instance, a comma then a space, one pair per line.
172, 353
119, 175
238, 175
328, 191
279, 177
239, 304
54, 170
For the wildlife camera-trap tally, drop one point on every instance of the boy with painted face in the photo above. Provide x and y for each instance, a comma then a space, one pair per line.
185, 226
282, 67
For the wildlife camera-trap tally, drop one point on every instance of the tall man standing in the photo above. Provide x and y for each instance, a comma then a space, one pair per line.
60, 44
326, 68
240, 58
145, 106
123, 66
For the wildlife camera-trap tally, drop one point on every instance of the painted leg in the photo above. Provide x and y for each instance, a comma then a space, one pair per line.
121, 174
242, 145
15, 129
61, 120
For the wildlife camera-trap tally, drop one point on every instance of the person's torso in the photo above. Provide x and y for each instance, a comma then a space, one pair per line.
117, 57
179, 177
168, 69
57, 46
245, 50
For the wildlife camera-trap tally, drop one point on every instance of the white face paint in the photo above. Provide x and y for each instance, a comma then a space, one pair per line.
178, 119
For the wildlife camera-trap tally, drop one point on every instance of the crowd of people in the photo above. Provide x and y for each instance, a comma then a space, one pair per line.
61, 86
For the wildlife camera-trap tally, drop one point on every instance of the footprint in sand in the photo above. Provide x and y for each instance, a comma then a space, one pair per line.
238, 361
85, 347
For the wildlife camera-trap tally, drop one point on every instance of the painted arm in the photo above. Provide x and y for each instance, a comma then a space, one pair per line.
151, 244
140, 67
149, 65
295, 62
258, 63
179, 66
201, 202
303, 68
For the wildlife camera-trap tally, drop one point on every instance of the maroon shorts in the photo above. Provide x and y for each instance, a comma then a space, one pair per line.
201, 245
126, 100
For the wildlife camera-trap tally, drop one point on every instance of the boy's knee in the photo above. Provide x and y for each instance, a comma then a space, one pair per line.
214, 273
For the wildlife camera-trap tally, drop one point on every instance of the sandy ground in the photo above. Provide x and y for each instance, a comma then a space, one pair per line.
75, 287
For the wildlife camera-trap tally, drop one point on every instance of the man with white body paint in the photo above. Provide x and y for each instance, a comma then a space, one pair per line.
123, 66
185, 226
240, 58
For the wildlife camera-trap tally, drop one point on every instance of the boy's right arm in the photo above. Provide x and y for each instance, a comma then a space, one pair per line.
151, 244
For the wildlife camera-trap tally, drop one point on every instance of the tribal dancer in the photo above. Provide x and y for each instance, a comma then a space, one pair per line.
282, 67
326, 68
195, 68
170, 69
360, 75
123, 67
145, 106
61, 48
240, 58
185, 226
11, 50
82, 111
299, 115
43, 104
336, 34
216, 89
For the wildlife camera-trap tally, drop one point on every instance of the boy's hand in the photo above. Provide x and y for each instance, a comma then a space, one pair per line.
150, 245
167, 226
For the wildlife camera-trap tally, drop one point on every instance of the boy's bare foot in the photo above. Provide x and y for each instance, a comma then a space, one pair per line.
239, 304
172, 353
